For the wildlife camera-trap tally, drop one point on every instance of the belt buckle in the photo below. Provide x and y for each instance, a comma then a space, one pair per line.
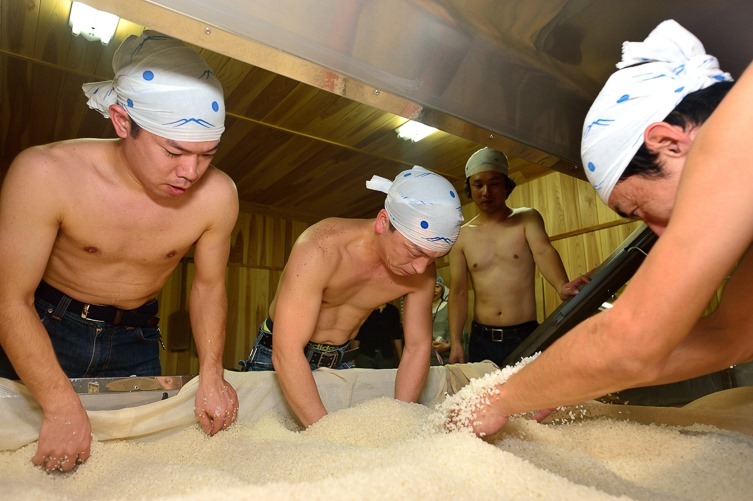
497, 335
332, 357
85, 314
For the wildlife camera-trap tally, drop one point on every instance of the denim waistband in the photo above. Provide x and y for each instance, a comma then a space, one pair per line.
143, 316
318, 354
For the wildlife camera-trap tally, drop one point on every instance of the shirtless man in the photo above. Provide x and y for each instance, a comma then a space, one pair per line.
90, 222
340, 270
650, 158
500, 248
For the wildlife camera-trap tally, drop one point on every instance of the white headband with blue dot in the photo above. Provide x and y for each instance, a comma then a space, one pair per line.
165, 86
653, 77
423, 206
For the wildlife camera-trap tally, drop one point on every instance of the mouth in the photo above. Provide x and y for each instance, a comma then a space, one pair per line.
176, 190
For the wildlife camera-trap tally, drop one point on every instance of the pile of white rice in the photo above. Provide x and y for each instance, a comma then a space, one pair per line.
385, 449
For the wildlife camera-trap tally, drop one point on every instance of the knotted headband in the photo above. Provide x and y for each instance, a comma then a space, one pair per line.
653, 77
423, 207
165, 86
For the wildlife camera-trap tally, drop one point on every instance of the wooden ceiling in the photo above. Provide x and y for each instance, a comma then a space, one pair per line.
291, 147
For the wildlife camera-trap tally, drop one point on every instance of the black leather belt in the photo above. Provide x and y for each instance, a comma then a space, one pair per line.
497, 334
143, 316
318, 357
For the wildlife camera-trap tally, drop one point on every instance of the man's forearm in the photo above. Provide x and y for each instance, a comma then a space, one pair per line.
209, 321
457, 315
28, 347
552, 268
412, 373
299, 387
708, 348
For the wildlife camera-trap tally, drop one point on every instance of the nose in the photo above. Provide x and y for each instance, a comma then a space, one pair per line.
189, 168
421, 264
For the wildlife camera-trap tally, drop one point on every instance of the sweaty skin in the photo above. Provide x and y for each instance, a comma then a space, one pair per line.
338, 272
106, 222
653, 334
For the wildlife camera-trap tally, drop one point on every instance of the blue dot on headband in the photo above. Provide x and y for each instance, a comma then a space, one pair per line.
148, 75
424, 224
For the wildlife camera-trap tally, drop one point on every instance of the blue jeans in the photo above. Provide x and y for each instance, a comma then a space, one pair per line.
86, 348
260, 358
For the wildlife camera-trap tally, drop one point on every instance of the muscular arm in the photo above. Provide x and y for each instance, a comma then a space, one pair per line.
718, 340
29, 222
546, 256
457, 302
414, 363
643, 340
216, 401
296, 309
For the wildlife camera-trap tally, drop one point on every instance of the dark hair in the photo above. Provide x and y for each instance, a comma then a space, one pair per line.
693, 110
135, 128
509, 186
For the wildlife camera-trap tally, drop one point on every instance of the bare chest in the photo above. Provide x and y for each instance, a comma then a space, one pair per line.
494, 248
365, 292
127, 230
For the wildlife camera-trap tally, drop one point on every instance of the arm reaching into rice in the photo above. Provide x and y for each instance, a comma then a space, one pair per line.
693, 166
340, 270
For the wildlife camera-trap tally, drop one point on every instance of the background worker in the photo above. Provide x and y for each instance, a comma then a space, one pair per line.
500, 249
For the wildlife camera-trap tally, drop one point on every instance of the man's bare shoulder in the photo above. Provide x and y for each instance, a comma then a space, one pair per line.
57, 171
327, 246
333, 231
218, 190
63, 157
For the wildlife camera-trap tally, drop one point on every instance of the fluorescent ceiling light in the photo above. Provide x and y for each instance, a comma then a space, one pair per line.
414, 131
91, 23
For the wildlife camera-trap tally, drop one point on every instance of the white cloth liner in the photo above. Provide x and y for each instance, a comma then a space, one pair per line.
258, 393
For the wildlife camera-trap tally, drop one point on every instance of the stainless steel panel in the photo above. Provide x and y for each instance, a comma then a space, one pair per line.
525, 69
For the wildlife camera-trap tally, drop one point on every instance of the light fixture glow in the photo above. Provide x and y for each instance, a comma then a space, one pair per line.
414, 131
91, 23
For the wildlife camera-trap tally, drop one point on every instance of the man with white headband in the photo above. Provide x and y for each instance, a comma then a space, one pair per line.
340, 270
91, 229
666, 141
500, 249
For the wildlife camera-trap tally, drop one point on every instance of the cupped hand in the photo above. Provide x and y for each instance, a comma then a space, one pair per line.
216, 404
64, 439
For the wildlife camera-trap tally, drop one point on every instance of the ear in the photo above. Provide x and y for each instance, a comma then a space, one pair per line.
382, 223
671, 140
120, 120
